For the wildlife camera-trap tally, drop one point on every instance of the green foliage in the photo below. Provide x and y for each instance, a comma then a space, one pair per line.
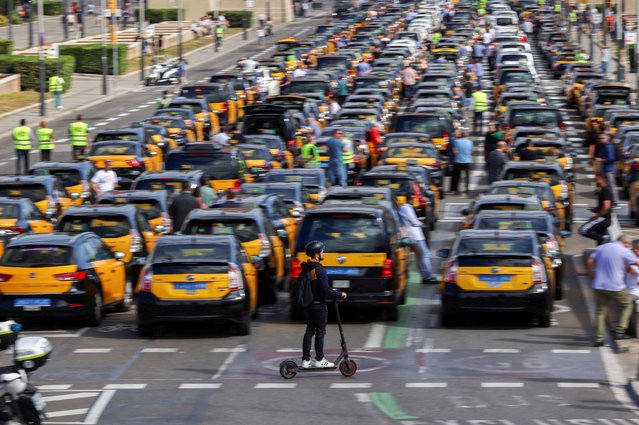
4, 21
88, 58
29, 69
155, 16
235, 17
53, 7
6, 47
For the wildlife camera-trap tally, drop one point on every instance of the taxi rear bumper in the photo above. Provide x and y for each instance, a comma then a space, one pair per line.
78, 303
456, 299
152, 309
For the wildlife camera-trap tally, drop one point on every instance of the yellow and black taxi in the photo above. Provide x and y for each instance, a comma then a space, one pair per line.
561, 183
284, 223
257, 161
496, 271
272, 120
541, 190
313, 181
46, 192
221, 98
437, 127
574, 84
594, 120
128, 159
499, 203
160, 136
531, 115
203, 278
74, 176
277, 147
540, 222
153, 204
122, 228
547, 150
292, 194
242, 86
222, 165
422, 154
178, 129
19, 216
256, 235
189, 118
618, 119
169, 181
630, 180
605, 93
59, 274
365, 255
202, 113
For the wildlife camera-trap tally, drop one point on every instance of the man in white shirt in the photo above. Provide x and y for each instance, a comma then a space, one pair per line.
247, 65
414, 227
105, 180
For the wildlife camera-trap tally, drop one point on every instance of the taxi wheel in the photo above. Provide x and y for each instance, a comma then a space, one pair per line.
145, 329
392, 313
449, 319
95, 315
243, 327
127, 301
543, 317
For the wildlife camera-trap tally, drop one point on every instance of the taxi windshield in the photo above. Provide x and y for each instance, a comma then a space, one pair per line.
345, 232
549, 176
106, 226
169, 185
254, 154
535, 117
517, 77
391, 138
537, 224
411, 152
9, 211
199, 91
216, 166
525, 191
307, 86
509, 206
166, 122
191, 253
491, 244
35, 192
358, 116
116, 149
36, 256
245, 230
284, 192
126, 137
433, 126
68, 177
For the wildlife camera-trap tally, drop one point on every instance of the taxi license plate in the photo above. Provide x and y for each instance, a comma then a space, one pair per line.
494, 281
341, 284
189, 286
32, 304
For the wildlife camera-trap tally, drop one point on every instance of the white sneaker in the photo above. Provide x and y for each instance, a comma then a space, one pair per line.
323, 363
306, 364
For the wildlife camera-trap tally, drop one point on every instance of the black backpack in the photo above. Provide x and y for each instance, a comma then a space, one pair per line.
304, 291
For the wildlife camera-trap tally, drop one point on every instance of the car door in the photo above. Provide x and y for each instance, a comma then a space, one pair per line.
231, 104
278, 254
117, 271
103, 268
37, 221
150, 237
251, 277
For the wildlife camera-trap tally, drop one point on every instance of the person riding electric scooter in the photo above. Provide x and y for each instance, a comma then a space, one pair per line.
317, 313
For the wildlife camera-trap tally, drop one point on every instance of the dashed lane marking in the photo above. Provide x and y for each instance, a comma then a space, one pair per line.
199, 386
98, 407
112, 118
501, 350
563, 351
578, 384
124, 114
432, 350
228, 350
63, 413
426, 385
73, 396
134, 110
125, 387
349, 385
54, 387
160, 350
270, 386
92, 350
101, 124
502, 384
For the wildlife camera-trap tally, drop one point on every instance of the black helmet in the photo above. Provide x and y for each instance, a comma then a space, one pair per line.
314, 247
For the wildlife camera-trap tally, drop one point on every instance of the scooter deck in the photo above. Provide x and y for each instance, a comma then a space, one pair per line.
316, 369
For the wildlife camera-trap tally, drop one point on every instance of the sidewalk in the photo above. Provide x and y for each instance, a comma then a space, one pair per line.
54, 31
86, 90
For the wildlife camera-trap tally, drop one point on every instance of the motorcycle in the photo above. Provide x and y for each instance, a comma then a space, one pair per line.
20, 401
162, 73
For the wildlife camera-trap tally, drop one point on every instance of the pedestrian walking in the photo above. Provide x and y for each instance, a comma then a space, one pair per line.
342, 89
45, 141
597, 227
261, 34
480, 105
632, 275
409, 80
316, 313
497, 159
181, 71
336, 170
182, 205
79, 138
527, 153
230, 194
463, 158
219, 36
56, 87
105, 179
207, 194
606, 160
413, 226
22, 141
607, 267
493, 136
605, 59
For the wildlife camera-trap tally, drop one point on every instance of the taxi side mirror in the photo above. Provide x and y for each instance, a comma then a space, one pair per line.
75, 196
282, 233
118, 255
159, 229
443, 253
405, 242
256, 259
296, 214
152, 153
465, 211
564, 233
3, 233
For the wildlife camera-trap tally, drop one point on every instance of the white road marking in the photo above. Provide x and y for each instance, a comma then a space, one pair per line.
230, 359
53, 387
160, 350
228, 350
62, 413
124, 114
134, 110
265, 386
562, 351
363, 397
92, 350
199, 386
502, 384
98, 407
577, 384
61, 140
348, 385
153, 102
288, 350
101, 124
426, 385
375, 336
91, 128
143, 106
125, 387
501, 350
433, 350
112, 119
72, 396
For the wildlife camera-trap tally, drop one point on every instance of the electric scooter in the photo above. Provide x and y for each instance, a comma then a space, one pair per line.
346, 366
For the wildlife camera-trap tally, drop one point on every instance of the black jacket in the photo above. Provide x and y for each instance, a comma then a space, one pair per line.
182, 205
527, 154
495, 164
319, 282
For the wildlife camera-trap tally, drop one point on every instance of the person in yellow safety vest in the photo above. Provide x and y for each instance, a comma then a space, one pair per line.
542, 3
310, 153
581, 57
348, 155
79, 138
572, 16
480, 105
219, 36
481, 11
557, 7
46, 141
56, 87
22, 138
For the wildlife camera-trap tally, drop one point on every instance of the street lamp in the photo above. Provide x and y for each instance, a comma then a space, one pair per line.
620, 54
105, 65
43, 110
142, 34
180, 19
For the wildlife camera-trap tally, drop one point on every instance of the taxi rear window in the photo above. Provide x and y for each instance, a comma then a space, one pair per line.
267, 125
171, 186
479, 245
35, 192
535, 117
376, 84
549, 176
106, 150
109, 226
519, 191
67, 177
191, 253
401, 186
150, 209
390, 139
344, 232
9, 211
537, 224
170, 123
508, 206
356, 116
411, 152
127, 137
253, 154
433, 126
36, 256
517, 77
244, 230
196, 108
308, 86
218, 166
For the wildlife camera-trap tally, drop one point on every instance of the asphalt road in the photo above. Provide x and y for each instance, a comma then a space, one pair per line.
488, 370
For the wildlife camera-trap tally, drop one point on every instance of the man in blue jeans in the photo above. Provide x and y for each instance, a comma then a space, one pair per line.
336, 170
414, 227
463, 159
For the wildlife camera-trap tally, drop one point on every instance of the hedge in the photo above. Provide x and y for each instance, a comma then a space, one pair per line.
88, 58
52, 7
29, 69
235, 17
6, 47
155, 16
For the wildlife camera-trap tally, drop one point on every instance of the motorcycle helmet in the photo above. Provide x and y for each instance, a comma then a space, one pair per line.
313, 247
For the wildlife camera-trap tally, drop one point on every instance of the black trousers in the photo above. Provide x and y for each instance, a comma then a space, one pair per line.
595, 229
45, 154
22, 157
457, 171
477, 122
316, 318
78, 153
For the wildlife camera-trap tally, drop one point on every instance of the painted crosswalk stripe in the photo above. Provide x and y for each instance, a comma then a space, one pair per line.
562, 351
432, 350
160, 350
426, 385
228, 350
54, 387
62, 413
502, 384
578, 385
92, 350
265, 386
348, 385
124, 387
501, 350
197, 386
73, 396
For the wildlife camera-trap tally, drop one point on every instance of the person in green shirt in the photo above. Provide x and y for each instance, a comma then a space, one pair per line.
342, 89
207, 194
309, 153
493, 136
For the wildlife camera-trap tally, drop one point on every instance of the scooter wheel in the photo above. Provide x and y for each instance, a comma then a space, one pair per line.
348, 368
288, 369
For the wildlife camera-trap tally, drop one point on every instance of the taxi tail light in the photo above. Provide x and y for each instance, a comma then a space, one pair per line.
296, 268
167, 221
5, 277
265, 245
537, 272
237, 185
562, 126
133, 163
551, 244
235, 278
70, 277
147, 279
387, 269
444, 134
451, 273
224, 107
13, 229
550, 209
136, 241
